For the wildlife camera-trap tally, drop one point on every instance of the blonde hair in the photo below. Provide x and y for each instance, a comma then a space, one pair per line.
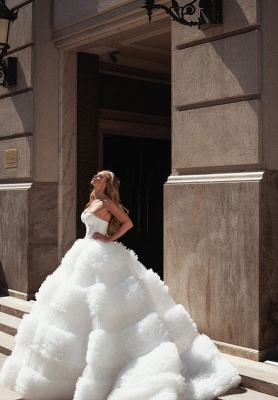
112, 190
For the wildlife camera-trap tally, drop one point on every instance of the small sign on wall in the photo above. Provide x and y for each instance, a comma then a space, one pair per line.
11, 158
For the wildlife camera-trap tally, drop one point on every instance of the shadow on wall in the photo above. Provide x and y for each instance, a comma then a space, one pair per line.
22, 106
66, 15
3, 281
237, 51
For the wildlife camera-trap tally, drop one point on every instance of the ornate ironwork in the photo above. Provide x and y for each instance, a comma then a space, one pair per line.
6, 13
3, 67
210, 12
8, 66
8, 71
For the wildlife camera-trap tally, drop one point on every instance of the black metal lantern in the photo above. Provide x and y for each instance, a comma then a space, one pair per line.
8, 66
207, 13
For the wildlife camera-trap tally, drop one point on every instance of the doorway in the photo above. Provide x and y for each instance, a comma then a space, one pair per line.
124, 124
143, 165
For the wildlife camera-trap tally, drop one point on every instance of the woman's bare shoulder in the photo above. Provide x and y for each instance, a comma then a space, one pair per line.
108, 202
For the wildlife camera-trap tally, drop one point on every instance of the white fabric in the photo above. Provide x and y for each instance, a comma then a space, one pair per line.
105, 327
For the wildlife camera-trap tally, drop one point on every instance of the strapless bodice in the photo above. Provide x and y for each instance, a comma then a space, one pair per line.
93, 224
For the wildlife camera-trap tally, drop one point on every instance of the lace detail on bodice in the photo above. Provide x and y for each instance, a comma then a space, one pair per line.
93, 224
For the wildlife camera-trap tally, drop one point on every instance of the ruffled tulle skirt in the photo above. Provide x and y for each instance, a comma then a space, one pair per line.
105, 327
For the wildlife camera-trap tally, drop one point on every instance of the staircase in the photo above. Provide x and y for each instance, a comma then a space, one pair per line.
11, 312
259, 380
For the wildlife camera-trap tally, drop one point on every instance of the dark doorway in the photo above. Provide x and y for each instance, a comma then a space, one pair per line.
143, 166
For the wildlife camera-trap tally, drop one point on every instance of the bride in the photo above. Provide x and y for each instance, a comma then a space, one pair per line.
105, 327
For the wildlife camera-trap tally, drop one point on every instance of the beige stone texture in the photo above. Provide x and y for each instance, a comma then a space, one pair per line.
269, 259
42, 260
221, 258
24, 161
16, 114
215, 71
69, 12
238, 15
269, 61
43, 214
45, 97
221, 255
28, 245
38, 69
67, 152
211, 253
42, 253
76, 28
13, 243
24, 71
21, 33
16, 3
224, 135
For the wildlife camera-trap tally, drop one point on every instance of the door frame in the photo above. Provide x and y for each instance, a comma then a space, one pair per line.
122, 124
130, 124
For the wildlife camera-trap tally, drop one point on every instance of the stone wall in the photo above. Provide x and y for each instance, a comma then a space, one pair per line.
28, 192
221, 256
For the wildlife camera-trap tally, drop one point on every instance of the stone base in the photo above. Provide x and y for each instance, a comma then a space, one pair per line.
17, 295
244, 352
220, 256
29, 235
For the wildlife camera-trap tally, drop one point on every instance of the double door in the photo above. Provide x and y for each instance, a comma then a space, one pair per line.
143, 166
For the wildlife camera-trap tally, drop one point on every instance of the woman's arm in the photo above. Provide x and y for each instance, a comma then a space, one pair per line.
125, 222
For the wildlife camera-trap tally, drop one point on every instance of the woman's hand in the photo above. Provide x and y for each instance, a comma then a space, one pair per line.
100, 236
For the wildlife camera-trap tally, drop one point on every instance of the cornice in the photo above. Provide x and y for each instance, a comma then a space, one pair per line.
211, 178
104, 24
15, 186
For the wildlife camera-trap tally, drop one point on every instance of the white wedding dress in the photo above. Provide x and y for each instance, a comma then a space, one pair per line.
105, 327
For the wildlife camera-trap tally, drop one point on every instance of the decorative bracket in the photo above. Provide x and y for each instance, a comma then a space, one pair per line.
210, 12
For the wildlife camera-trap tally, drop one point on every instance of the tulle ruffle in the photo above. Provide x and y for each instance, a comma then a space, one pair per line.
104, 327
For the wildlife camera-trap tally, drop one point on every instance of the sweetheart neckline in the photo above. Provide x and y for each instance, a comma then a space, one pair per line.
103, 220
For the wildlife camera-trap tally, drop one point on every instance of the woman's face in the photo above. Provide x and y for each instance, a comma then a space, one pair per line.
99, 179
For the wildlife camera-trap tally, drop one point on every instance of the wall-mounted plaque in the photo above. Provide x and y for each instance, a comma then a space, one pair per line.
11, 158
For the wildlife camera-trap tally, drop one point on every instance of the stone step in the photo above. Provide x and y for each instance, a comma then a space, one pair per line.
257, 376
15, 307
7, 343
2, 359
6, 394
9, 324
245, 394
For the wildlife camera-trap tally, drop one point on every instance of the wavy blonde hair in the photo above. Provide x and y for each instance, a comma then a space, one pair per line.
112, 190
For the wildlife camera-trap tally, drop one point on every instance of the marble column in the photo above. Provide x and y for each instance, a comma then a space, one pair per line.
67, 151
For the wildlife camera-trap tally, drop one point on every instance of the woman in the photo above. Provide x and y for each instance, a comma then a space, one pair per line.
105, 327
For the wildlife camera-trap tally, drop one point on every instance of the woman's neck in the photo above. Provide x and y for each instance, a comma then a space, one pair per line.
99, 195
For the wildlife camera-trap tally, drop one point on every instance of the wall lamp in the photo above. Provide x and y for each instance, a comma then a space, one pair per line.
8, 66
210, 12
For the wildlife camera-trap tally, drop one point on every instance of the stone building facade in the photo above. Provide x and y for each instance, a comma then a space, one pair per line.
82, 70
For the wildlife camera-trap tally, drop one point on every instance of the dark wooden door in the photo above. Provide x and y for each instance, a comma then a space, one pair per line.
143, 166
